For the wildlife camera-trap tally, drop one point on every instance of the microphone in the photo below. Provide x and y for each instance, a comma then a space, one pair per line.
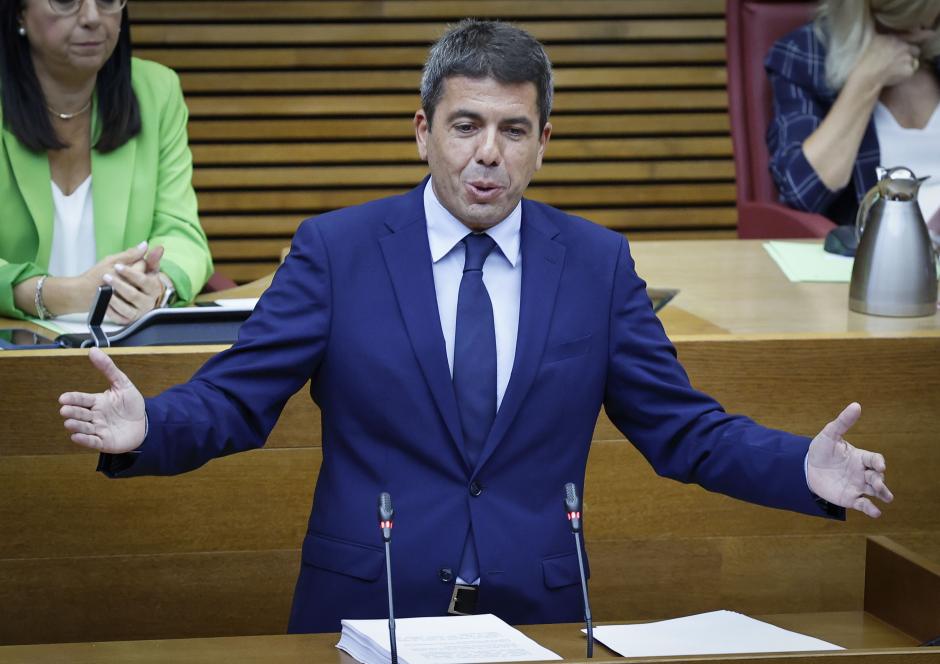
573, 508
386, 515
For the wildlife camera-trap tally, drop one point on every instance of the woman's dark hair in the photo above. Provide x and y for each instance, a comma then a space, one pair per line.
24, 105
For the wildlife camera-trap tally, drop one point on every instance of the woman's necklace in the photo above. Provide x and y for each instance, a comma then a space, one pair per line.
69, 116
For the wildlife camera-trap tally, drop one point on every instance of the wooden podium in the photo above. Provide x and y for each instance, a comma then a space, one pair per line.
902, 608
215, 553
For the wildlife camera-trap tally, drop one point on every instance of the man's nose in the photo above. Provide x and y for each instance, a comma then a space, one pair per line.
488, 150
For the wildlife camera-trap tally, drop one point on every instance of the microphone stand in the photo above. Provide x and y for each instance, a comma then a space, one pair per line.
386, 514
573, 508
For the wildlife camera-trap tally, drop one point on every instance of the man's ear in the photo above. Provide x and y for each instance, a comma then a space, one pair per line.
543, 143
422, 129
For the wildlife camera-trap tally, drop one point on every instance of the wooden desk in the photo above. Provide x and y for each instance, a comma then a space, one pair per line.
215, 552
565, 640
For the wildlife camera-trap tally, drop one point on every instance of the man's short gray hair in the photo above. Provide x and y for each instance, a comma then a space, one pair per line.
487, 49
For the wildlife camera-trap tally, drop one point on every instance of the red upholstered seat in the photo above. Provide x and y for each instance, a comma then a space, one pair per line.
752, 28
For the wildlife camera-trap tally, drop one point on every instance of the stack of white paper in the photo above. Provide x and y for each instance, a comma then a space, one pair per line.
440, 640
715, 633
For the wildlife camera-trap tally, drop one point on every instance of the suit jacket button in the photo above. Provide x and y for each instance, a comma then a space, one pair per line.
446, 574
475, 489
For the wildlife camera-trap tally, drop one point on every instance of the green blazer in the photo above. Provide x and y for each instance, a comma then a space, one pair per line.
141, 191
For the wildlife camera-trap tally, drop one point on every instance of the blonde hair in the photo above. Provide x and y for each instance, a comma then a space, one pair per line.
846, 27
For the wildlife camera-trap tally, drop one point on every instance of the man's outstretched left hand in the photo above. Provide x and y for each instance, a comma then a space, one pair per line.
842, 474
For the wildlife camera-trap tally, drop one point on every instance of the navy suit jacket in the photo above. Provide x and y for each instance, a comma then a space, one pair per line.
353, 309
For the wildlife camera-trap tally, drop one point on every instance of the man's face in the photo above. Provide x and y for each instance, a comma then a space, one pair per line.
483, 148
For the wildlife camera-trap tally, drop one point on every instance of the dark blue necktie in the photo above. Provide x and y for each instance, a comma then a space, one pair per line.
474, 368
475, 349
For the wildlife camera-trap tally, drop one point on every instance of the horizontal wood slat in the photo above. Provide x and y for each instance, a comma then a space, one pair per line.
405, 151
350, 57
310, 201
407, 104
565, 79
650, 219
162, 10
564, 126
406, 176
419, 33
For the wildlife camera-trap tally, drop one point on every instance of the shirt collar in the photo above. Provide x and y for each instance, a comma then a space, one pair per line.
445, 230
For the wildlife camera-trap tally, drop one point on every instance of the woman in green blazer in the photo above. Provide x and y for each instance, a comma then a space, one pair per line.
76, 105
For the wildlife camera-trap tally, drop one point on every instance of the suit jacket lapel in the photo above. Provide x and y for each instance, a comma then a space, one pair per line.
408, 259
33, 178
542, 264
111, 179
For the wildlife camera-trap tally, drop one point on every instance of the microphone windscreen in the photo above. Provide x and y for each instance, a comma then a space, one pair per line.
386, 513
571, 498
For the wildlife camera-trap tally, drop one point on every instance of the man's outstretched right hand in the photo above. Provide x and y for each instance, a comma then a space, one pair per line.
113, 421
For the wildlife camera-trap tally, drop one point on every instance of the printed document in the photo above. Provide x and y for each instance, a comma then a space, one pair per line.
441, 640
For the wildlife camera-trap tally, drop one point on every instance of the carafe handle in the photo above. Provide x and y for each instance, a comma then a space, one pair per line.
870, 199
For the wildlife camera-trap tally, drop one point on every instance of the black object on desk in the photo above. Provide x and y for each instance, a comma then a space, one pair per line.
842, 240
162, 327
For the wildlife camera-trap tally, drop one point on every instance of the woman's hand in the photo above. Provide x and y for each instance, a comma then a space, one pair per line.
887, 61
137, 287
66, 295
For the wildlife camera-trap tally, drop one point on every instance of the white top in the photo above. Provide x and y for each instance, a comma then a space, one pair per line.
502, 276
73, 233
916, 149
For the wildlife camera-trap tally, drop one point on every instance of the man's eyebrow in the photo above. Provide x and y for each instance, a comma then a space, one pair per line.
463, 113
521, 120
476, 117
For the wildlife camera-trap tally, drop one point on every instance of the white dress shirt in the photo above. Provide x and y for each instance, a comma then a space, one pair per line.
502, 276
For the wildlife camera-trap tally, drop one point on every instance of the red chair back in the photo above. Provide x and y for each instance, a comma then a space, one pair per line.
752, 28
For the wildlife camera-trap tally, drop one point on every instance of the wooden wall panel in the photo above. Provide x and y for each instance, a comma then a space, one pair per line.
279, 93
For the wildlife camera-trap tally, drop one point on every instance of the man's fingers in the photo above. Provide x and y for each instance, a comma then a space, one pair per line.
80, 399
78, 426
874, 461
862, 504
75, 413
106, 366
840, 426
877, 487
83, 439
882, 492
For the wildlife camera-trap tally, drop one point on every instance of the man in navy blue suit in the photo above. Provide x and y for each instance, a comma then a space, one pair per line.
460, 341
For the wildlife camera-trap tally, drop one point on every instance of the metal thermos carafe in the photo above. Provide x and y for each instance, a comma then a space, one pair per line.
895, 271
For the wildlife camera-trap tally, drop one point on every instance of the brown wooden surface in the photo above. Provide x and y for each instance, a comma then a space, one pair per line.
304, 106
902, 588
870, 641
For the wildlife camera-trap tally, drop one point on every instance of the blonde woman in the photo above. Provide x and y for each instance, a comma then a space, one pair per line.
856, 88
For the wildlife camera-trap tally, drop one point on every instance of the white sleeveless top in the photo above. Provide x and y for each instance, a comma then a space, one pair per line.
916, 149
73, 233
